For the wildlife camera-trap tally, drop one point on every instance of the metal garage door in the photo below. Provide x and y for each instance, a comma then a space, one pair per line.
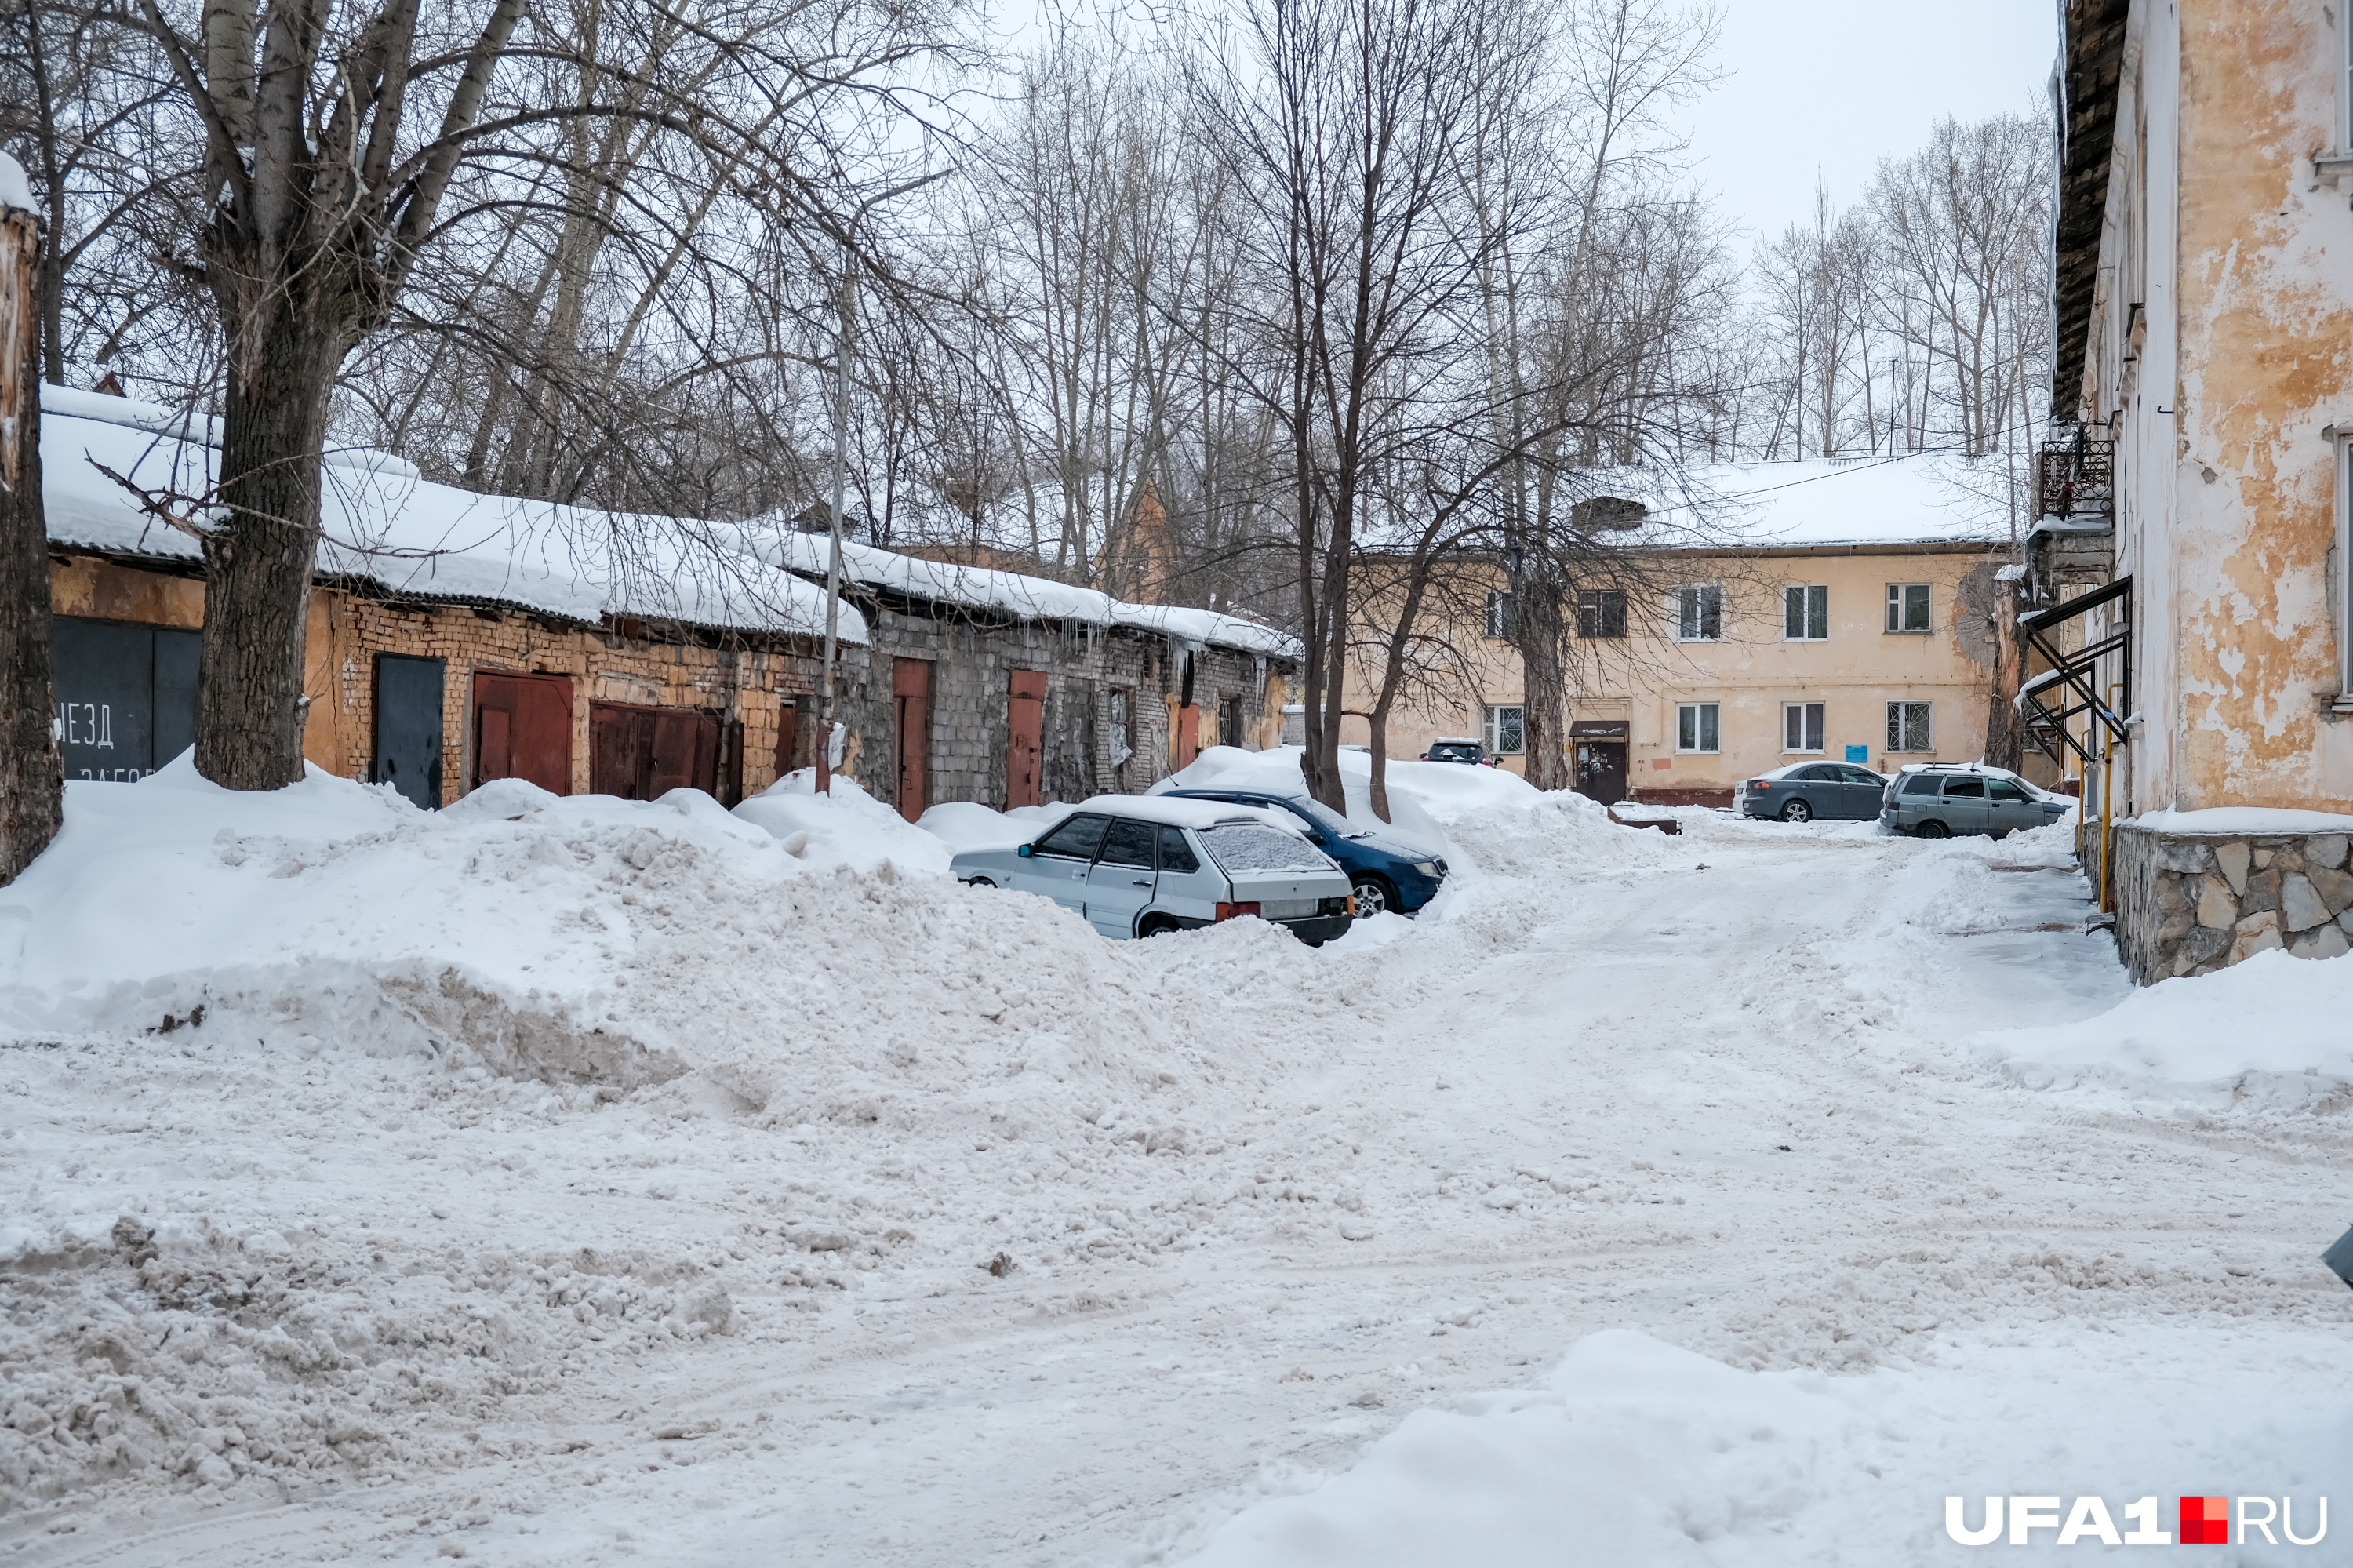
126, 695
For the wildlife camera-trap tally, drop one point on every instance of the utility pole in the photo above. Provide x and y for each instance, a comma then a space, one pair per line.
32, 782
833, 565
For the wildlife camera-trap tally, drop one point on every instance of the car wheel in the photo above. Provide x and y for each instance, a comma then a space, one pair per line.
1932, 831
978, 882
1156, 926
1797, 812
1373, 896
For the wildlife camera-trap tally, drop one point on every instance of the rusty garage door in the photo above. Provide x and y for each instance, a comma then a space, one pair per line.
642, 753
1025, 737
523, 730
911, 694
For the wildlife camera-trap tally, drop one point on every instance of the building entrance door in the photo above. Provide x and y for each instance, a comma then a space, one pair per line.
1598, 754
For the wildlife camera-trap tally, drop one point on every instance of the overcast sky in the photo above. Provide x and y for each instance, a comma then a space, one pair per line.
1832, 85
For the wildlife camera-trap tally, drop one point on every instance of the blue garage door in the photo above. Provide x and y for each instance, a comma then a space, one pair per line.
126, 695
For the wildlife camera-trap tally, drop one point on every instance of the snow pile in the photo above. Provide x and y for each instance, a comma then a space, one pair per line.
846, 826
1666, 1455
2204, 1029
1636, 1452
353, 1031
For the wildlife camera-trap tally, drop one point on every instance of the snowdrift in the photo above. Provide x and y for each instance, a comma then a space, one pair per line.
2202, 1032
1636, 1452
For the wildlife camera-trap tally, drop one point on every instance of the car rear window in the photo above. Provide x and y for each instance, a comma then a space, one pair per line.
1175, 854
1250, 846
1924, 784
1973, 789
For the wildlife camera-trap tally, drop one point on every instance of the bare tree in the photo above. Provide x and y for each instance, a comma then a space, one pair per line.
32, 783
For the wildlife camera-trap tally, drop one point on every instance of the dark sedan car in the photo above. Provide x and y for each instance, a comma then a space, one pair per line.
1383, 874
1834, 791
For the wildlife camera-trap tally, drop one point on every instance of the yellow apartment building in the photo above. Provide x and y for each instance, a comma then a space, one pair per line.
1851, 617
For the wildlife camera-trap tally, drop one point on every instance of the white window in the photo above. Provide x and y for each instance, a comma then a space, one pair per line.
1911, 726
1802, 726
1907, 607
1501, 613
1699, 614
1806, 612
1696, 727
1506, 731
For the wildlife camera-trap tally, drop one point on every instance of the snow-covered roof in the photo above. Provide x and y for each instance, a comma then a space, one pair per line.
1916, 499
1008, 593
415, 539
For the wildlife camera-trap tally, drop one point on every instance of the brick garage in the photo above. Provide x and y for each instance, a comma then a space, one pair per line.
1112, 712
748, 681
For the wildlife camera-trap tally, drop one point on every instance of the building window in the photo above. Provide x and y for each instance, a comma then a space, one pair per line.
1699, 616
1503, 615
1229, 721
1907, 607
1806, 612
1911, 726
1697, 728
1802, 726
1506, 731
1601, 613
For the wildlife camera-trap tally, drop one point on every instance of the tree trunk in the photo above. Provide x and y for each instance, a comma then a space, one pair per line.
32, 781
250, 702
1544, 689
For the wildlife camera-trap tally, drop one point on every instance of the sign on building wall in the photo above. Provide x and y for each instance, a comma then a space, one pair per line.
1859, 755
126, 696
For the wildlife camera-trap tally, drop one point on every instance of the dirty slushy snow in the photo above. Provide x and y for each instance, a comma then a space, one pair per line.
575, 1181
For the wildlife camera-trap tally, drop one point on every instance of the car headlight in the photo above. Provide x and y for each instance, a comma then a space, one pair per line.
1430, 867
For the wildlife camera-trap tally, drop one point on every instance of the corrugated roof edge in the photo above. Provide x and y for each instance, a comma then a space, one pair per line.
153, 543
1022, 595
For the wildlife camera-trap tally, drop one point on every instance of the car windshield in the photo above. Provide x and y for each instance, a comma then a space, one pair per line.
1322, 816
1442, 752
1252, 846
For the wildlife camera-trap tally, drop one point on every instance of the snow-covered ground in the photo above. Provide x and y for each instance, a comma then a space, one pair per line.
570, 1182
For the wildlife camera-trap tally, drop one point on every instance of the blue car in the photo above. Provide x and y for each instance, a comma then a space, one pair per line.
1382, 874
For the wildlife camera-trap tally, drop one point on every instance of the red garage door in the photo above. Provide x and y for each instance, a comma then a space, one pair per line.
911, 693
642, 753
523, 730
1026, 713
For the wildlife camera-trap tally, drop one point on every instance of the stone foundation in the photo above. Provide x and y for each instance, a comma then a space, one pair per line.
2189, 905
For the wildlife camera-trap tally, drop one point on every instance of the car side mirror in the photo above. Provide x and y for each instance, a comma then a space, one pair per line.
1025, 851
1316, 838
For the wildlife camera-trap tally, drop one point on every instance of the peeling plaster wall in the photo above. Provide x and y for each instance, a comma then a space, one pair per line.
2218, 225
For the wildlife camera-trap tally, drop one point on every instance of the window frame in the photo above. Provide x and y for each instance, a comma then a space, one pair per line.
1603, 601
1501, 624
1817, 596
1707, 593
1896, 723
1820, 729
1699, 729
1899, 608
1491, 728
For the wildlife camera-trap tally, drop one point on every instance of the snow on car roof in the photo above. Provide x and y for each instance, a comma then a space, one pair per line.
1179, 813
1457, 741
386, 526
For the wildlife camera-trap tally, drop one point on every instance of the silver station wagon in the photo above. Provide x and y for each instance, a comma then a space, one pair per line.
1138, 865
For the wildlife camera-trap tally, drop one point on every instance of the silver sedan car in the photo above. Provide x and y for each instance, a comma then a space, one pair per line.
1138, 865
